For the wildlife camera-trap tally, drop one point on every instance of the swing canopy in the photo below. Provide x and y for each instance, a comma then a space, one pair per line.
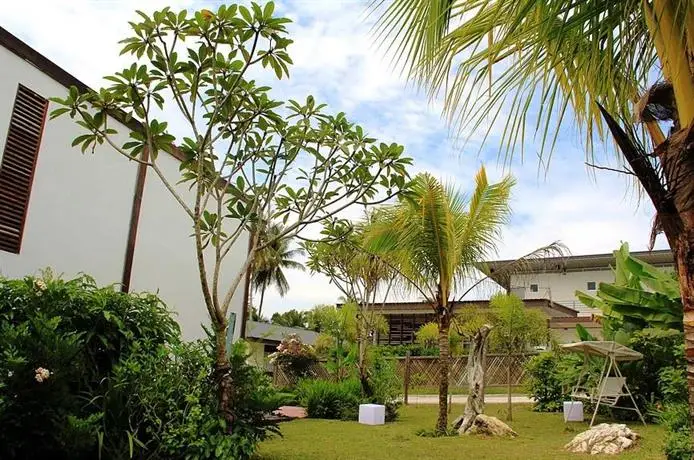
607, 349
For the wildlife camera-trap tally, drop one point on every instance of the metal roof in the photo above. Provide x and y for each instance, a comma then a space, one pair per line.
586, 262
256, 330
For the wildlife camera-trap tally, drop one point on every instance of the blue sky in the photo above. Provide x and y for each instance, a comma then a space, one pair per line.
337, 60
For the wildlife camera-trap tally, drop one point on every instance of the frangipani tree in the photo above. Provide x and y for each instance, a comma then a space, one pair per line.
248, 160
434, 236
535, 65
364, 279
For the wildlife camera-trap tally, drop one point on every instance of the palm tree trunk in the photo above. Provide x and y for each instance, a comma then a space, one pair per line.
260, 305
684, 259
444, 365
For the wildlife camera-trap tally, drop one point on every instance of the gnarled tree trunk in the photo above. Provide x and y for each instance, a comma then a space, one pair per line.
222, 375
444, 365
475, 376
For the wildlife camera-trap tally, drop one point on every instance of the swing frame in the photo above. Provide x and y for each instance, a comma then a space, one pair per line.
612, 352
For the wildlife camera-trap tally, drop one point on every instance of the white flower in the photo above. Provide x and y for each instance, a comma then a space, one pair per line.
42, 374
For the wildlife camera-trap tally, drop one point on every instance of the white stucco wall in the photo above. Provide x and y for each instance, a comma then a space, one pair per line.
561, 287
79, 209
79, 213
165, 253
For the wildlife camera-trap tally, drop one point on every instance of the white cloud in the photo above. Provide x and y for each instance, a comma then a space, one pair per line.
337, 61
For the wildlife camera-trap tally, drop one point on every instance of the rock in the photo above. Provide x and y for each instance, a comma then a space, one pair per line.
457, 422
606, 438
489, 426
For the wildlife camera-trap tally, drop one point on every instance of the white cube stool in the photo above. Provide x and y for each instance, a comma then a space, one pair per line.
573, 411
372, 414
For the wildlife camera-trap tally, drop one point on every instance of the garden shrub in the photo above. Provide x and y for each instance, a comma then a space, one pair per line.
58, 341
678, 443
340, 400
385, 382
89, 372
661, 349
167, 402
330, 400
543, 382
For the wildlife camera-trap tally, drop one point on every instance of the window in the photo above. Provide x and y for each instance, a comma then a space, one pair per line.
18, 164
591, 285
533, 288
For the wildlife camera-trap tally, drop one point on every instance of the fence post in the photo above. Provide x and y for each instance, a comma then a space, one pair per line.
407, 377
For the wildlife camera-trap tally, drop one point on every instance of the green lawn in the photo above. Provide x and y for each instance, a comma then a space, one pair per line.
541, 436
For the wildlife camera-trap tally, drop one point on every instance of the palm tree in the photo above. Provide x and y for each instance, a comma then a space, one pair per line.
588, 62
271, 261
436, 235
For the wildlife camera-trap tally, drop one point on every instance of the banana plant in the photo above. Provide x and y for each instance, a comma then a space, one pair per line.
642, 295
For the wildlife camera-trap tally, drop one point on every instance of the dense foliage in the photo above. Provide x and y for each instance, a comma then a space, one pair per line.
543, 383
663, 356
89, 372
340, 399
331, 400
58, 341
678, 443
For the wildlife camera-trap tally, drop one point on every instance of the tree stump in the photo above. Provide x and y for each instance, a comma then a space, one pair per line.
475, 375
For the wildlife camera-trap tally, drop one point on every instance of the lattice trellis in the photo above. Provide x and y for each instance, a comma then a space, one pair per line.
317, 370
424, 370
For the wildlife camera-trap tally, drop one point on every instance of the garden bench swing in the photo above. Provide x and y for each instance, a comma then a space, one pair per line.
612, 385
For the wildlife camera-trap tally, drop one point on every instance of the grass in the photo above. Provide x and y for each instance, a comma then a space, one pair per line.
541, 436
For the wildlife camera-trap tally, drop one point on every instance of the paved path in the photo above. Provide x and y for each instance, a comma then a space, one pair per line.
460, 399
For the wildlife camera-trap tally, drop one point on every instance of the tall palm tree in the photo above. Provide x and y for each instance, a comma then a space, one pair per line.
271, 261
436, 235
542, 63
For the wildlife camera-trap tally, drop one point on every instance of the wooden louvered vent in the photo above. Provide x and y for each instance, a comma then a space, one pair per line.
18, 164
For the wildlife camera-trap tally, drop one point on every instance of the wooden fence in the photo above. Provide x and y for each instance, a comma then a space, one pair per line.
422, 371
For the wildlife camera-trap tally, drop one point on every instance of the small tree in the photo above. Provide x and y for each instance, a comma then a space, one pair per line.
516, 328
363, 278
341, 325
247, 159
428, 336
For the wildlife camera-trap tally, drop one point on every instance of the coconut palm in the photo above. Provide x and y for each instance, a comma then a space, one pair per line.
271, 261
435, 235
541, 63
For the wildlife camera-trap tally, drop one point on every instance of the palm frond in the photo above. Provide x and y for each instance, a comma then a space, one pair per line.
557, 54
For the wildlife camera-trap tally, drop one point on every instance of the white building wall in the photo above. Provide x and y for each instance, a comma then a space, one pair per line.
560, 287
79, 213
165, 253
79, 209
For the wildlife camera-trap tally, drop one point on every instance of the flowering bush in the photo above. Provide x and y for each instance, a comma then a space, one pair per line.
89, 372
59, 341
294, 356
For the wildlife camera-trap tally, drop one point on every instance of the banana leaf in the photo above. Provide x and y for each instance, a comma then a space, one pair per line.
612, 294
